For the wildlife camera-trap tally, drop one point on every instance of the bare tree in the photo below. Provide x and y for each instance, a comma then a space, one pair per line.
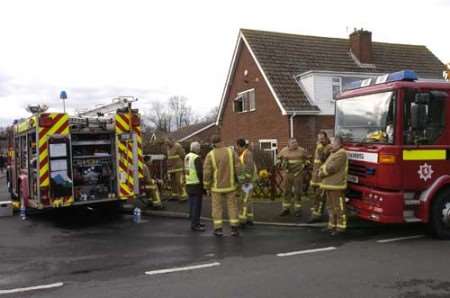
181, 111
159, 118
170, 116
211, 116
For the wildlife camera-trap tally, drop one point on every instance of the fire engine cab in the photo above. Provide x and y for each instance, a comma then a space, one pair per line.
397, 134
58, 160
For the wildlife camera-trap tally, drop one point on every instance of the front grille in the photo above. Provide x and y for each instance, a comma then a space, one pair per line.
357, 169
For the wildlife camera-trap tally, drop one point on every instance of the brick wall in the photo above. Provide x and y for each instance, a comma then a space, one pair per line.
266, 122
306, 129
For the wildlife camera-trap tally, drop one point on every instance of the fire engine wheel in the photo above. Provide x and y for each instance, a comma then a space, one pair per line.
440, 215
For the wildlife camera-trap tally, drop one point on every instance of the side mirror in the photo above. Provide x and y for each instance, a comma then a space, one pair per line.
418, 116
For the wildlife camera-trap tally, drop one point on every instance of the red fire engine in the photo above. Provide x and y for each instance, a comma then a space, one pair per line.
397, 132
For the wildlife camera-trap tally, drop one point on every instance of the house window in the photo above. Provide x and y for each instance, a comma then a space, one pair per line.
336, 84
245, 101
269, 146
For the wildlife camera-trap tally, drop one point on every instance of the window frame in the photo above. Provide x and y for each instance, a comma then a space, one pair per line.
335, 84
245, 97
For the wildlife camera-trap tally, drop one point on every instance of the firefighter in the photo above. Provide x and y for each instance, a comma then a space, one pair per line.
194, 179
220, 169
334, 181
175, 169
150, 185
293, 159
323, 150
248, 177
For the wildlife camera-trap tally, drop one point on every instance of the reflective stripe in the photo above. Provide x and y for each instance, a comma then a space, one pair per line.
175, 170
213, 159
315, 183
295, 161
317, 161
242, 156
341, 203
234, 221
173, 156
333, 187
424, 154
324, 170
231, 164
224, 189
217, 224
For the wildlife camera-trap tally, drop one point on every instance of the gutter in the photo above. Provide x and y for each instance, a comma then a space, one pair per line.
291, 125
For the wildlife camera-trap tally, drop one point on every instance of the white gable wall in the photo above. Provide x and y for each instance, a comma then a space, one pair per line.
323, 94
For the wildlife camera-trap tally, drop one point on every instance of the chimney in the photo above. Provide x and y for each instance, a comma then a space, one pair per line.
361, 45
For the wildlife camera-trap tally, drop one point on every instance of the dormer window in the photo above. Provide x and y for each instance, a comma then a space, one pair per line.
245, 101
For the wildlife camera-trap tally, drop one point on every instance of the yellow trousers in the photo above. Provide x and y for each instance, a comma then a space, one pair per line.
336, 210
217, 208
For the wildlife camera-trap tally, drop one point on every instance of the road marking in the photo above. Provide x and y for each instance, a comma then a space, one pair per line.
41, 287
308, 251
164, 271
400, 239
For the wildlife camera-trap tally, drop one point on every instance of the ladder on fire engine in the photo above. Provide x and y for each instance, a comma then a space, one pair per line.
108, 109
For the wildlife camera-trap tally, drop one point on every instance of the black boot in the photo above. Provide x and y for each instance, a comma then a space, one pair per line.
285, 212
235, 231
198, 228
218, 232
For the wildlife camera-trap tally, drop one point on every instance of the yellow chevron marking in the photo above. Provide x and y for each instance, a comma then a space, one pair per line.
43, 170
122, 122
54, 128
43, 155
45, 183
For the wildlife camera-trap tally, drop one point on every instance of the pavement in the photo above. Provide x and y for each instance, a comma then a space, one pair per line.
265, 210
96, 252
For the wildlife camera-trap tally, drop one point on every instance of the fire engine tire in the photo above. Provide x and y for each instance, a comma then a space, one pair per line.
440, 215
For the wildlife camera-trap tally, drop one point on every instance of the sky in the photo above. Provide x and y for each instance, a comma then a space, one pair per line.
96, 50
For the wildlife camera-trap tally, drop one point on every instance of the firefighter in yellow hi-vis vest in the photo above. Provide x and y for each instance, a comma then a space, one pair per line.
323, 150
150, 185
175, 169
334, 181
293, 159
220, 169
248, 177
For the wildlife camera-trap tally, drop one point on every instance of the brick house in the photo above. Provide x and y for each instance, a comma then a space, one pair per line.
283, 85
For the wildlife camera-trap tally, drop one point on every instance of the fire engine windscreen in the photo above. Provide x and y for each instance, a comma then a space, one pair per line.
366, 118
